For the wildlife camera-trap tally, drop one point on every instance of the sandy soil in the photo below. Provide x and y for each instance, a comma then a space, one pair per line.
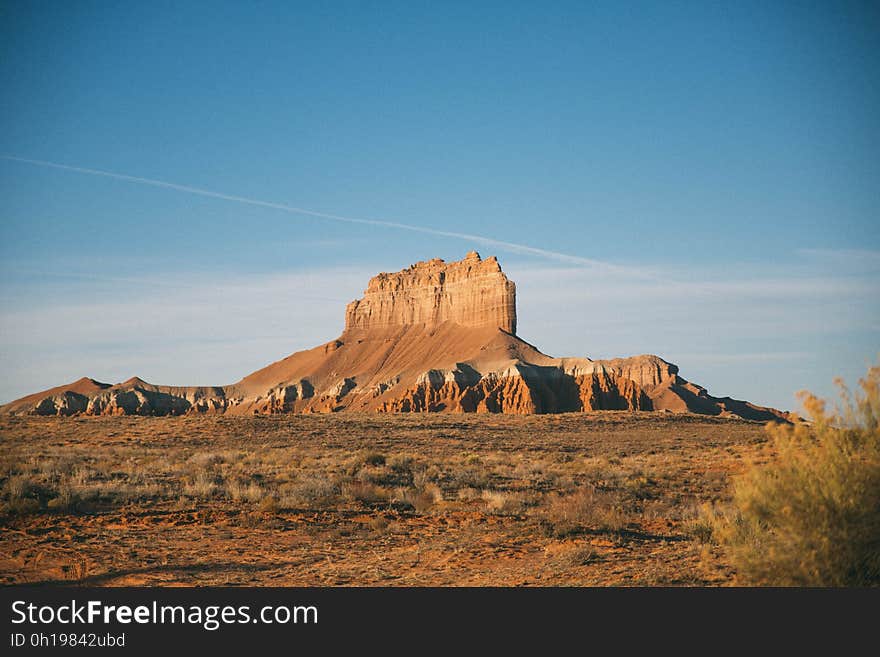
606, 498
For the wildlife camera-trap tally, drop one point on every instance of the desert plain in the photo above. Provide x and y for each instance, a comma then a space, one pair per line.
603, 498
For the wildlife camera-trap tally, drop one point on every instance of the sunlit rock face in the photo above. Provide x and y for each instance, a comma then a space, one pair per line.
435, 337
471, 292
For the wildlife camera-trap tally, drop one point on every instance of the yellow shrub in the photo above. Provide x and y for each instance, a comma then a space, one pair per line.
810, 516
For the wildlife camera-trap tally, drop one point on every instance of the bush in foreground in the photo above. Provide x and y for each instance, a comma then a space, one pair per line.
810, 515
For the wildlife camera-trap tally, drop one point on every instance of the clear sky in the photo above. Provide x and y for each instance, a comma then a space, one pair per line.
712, 169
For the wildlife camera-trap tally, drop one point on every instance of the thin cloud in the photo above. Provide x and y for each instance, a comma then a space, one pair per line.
205, 328
512, 247
861, 254
175, 283
857, 261
760, 357
572, 284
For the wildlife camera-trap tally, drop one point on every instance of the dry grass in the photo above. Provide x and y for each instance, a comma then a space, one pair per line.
365, 492
367, 499
587, 509
309, 491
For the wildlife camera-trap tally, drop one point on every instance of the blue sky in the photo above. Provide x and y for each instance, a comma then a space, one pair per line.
720, 163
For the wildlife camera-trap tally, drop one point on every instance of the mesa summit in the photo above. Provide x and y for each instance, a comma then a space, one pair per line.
435, 337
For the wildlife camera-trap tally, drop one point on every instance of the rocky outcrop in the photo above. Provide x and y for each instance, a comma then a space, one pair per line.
436, 337
472, 293
137, 402
522, 390
66, 403
283, 398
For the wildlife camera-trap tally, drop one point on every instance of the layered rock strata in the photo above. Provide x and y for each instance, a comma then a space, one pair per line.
470, 293
436, 337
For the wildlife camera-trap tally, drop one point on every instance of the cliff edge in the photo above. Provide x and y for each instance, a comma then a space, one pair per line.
471, 293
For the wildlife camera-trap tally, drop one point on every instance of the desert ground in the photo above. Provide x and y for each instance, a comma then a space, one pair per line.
578, 499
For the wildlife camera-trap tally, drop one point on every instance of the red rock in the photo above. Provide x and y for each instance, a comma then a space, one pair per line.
436, 337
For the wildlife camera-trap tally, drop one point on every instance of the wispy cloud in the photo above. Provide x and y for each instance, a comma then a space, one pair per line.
744, 357
864, 254
761, 331
575, 283
760, 336
503, 245
844, 260
191, 330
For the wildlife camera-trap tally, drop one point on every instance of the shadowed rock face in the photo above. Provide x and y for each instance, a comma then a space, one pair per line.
436, 337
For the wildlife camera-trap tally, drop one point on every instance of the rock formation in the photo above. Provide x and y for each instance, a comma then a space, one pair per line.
471, 293
434, 337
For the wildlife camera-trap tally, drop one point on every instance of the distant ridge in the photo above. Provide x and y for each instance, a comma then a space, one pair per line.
435, 337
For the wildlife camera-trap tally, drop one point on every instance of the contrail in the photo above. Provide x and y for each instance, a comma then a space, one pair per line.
479, 239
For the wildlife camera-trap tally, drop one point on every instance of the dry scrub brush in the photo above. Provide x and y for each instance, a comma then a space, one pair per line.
810, 516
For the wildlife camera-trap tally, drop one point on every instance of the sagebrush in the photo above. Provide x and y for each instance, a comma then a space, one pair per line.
810, 515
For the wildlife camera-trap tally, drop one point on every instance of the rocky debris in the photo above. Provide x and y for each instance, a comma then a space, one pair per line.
436, 337
283, 398
341, 389
383, 386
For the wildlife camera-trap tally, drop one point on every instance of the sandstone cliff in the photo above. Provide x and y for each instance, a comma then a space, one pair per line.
470, 293
436, 337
